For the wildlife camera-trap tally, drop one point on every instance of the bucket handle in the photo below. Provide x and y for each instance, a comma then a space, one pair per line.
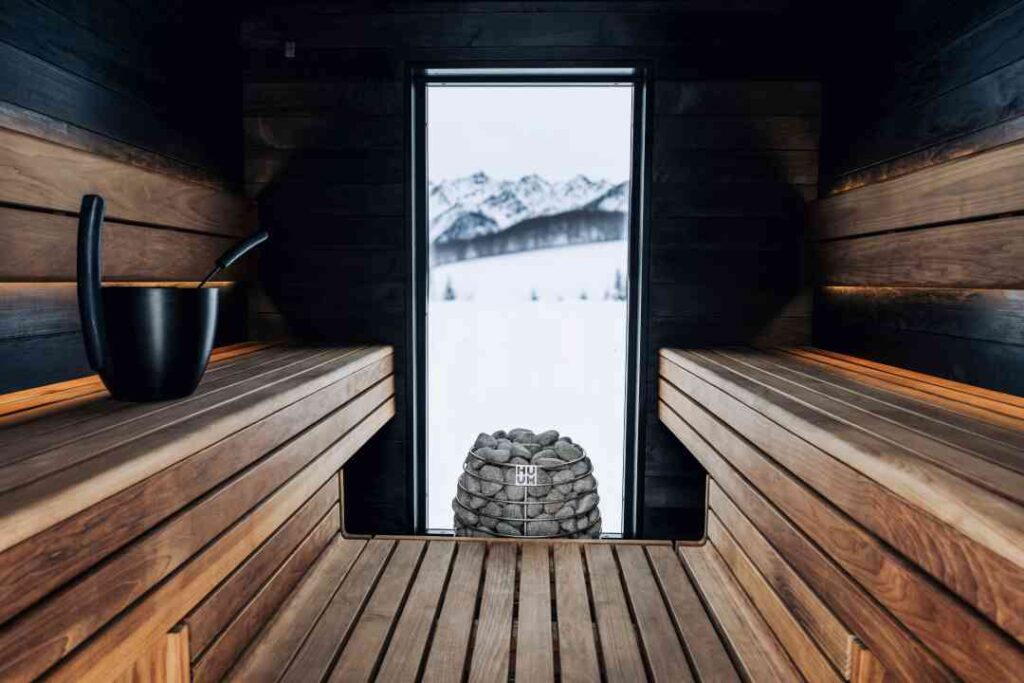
90, 307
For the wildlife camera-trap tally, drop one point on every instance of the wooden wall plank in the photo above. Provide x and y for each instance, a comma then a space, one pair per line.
982, 254
74, 135
46, 175
36, 309
958, 190
38, 246
973, 315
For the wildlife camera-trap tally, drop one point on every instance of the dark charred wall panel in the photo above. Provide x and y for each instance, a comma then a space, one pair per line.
940, 97
941, 80
161, 77
734, 157
134, 100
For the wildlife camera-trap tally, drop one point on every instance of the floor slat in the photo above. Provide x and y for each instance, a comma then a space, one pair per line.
449, 647
535, 660
317, 654
708, 655
360, 656
657, 635
577, 652
402, 662
494, 626
619, 647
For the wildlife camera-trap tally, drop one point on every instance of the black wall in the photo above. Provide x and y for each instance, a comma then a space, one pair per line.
941, 81
160, 77
734, 157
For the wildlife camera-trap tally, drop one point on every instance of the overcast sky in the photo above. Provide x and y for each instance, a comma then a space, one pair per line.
512, 131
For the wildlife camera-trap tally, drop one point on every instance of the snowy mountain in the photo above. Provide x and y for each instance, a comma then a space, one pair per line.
477, 205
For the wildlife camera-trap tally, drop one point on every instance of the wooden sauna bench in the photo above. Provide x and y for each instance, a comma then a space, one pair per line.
869, 515
124, 526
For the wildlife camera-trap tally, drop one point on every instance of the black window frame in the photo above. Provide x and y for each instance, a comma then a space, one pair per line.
417, 79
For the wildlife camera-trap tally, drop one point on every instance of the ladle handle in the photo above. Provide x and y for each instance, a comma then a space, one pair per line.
228, 258
90, 222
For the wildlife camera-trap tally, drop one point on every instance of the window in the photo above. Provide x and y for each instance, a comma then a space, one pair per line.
527, 304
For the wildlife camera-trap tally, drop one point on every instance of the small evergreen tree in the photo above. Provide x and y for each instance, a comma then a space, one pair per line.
533, 295
621, 293
583, 295
449, 291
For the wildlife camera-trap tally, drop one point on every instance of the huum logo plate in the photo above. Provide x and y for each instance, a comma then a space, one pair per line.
526, 475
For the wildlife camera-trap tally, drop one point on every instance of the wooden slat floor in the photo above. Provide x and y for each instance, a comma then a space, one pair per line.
406, 609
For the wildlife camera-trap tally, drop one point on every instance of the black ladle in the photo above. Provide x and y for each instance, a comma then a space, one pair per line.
228, 258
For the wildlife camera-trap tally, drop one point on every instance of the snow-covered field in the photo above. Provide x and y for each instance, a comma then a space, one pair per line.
497, 360
562, 274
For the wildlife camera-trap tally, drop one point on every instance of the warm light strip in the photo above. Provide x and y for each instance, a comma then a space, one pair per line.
120, 283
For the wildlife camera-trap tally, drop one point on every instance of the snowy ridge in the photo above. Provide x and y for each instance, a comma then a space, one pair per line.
477, 205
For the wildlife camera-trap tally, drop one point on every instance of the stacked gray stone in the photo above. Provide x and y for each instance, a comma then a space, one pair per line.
552, 492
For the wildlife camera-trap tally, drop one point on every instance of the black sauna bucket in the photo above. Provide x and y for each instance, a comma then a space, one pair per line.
146, 343
522, 519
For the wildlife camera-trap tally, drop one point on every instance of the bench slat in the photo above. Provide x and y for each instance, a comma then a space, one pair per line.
751, 641
275, 648
942, 622
1001, 478
236, 636
219, 608
886, 636
929, 420
39, 564
800, 600
801, 649
927, 531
